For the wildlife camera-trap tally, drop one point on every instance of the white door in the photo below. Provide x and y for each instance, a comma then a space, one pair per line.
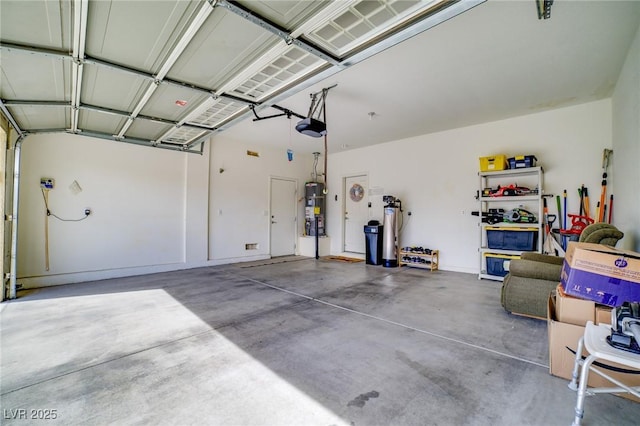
283, 217
355, 213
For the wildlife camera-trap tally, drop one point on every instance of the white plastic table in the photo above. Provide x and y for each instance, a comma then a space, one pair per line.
594, 340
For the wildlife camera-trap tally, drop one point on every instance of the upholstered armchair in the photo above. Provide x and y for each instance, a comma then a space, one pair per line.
526, 288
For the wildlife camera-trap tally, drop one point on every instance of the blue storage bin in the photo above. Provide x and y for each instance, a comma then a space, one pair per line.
522, 161
498, 264
512, 238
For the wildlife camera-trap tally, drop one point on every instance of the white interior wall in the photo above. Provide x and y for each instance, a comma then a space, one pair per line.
626, 148
138, 201
197, 208
239, 196
435, 175
152, 210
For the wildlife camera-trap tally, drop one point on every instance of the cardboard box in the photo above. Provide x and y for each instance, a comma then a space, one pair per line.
563, 338
601, 273
572, 310
603, 314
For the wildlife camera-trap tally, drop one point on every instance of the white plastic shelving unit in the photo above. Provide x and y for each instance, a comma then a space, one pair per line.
530, 177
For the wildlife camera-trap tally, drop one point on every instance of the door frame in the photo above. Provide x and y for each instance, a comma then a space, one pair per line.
343, 207
5, 230
296, 213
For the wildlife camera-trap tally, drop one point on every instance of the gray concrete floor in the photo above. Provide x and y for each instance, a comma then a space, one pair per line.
303, 342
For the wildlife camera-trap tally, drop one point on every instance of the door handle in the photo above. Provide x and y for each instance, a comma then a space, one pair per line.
273, 221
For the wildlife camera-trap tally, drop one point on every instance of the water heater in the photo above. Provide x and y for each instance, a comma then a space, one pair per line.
314, 207
390, 232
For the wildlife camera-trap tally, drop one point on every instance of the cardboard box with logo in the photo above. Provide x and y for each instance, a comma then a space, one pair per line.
601, 273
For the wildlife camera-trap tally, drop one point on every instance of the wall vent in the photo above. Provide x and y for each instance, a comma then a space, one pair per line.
251, 246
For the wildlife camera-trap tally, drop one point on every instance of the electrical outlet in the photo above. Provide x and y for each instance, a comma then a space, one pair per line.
47, 183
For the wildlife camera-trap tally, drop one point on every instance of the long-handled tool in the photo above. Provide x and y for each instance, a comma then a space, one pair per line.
585, 194
581, 195
610, 208
548, 245
564, 222
559, 207
603, 193
45, 193
558, 250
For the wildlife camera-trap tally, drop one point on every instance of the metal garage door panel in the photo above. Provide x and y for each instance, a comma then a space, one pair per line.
184, 135
41, 118
224, 45
167, 100
287, 14
220, 110
363, 21
93, 121
139, 34
293, 64
148, 130
112, 89
32, 77
22, 22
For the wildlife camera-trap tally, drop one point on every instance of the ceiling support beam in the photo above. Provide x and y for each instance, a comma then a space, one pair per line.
10, 118
143, 142
107, 136
80, 10
141, 104
185, 39
142, 117
171, 82
102, 110
20, 103
276, 30
88, 60
37, 51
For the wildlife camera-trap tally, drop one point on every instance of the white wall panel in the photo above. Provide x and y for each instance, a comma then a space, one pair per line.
435, 175
626, 148
137, 198
239, 204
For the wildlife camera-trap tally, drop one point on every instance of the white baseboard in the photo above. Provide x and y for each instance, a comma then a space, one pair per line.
77, 277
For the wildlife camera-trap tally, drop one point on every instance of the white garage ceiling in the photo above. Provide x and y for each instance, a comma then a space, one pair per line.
168, 73
171, 73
